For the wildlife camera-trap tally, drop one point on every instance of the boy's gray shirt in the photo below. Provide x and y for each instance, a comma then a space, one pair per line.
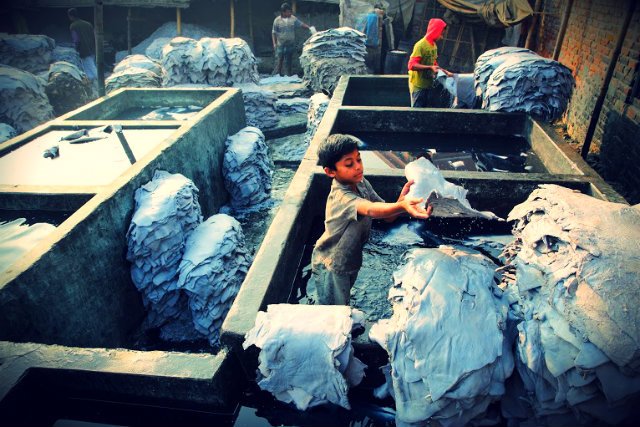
345, 232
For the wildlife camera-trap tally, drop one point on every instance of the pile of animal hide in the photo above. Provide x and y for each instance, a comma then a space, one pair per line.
166, 213
242, 63
213, 266
487, 63
247, 171
152, 46
531, 84
27, 52
180, 60
448, 355
576, 289
132, 77
286, 86
218, 62
18, 238
66, 54
259, 106
6, 132
67, 88
138, 61
446, 198
328, 55
23, 101
214, 62
318, 104
292, 106
306, 357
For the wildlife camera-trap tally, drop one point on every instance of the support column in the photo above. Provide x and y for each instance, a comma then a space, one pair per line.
232, 16
129, 30
563, 30
253, 43
178, 21
534, 23
98, 23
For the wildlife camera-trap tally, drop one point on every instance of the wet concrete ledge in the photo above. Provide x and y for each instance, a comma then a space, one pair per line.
33, 373
74, 288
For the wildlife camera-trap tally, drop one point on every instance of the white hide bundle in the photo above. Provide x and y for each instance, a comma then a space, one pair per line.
23, 101
213, 266
306, 356
318, 104
530, 84
449, 358
27, 52
430, 185
492, 59
214, 61
139, 61
132, 77
166, 213
67, 88
242, 63
152, 46
182, 62
6, 132
577, 264
328, 55
259, 106
247, 170
18, 238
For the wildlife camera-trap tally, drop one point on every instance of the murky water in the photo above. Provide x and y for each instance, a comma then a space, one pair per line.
384, 253
159, 113
454, 152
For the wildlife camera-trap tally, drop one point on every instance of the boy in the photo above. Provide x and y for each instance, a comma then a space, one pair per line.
423, 64
351, 205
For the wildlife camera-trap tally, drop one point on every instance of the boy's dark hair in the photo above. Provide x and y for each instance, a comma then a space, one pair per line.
334, 147
284, 7
73, 12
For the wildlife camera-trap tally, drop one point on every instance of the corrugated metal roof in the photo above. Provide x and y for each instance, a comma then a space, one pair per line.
90, 3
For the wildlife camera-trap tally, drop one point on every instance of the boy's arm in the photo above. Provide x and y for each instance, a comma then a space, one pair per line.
392, 210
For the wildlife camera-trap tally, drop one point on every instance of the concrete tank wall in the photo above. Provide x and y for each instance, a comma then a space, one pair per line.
74, 288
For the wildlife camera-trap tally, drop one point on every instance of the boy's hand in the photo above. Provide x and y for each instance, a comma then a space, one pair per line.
412, 206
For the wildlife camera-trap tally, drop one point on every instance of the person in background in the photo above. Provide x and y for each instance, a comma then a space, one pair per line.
284, 36
351, 206
423, 64
371, 26
84, 42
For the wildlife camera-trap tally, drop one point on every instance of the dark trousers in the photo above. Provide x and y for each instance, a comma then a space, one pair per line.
372, 60
284, 55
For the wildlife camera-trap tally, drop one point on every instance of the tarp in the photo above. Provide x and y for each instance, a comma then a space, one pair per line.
496, 13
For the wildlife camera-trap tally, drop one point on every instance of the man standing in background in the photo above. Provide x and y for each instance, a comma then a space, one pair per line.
84, 42
283, 34
371, 25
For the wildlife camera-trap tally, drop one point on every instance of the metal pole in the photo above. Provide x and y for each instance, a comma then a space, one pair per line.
294, 7
129, 30
534, 22
563, 30
125, 144
98, 22
232, 15
595, 116
178, 21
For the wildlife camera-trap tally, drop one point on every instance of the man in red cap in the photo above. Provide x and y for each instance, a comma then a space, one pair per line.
423, 64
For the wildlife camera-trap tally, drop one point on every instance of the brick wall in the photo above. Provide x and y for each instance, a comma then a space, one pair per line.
549, 26
589, 42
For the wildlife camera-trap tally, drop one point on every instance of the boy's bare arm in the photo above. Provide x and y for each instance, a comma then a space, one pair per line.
392, 210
